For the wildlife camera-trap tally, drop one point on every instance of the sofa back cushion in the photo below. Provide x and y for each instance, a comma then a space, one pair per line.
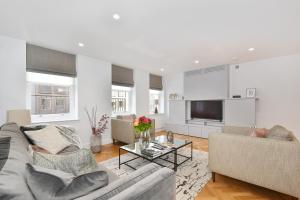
127, 117
12, 174
246, 131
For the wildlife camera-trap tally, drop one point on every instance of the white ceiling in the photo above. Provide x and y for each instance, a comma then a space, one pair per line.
154, 34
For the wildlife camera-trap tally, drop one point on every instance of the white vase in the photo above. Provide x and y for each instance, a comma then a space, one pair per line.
95, 143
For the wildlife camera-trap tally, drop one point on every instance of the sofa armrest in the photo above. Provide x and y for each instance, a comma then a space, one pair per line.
159, 185
265, 162
122, 130
122, 183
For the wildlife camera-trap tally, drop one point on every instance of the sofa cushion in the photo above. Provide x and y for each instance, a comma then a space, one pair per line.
78, 162
55, 188
280, 133
49, 138
260, 132
12, 175
30, 128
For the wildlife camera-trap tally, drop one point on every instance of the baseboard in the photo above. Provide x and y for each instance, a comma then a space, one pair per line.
159, 130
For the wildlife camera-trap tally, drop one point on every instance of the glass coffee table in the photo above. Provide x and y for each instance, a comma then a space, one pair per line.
160, 141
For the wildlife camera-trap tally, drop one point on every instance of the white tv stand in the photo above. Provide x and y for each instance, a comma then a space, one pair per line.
196, 128
237, 112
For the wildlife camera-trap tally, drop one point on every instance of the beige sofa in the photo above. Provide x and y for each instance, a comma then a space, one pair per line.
122, 129
269, 163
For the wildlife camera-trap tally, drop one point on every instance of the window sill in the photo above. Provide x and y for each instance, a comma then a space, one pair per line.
156, 114
47, 118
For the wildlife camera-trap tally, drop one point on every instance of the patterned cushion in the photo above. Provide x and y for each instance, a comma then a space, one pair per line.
69, 134
78, 162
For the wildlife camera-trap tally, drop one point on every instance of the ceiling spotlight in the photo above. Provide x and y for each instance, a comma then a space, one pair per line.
116, 17
80, 44
251, 49
162, 69
197, 61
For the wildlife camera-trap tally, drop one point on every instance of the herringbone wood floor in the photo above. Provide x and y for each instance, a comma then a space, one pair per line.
224, 188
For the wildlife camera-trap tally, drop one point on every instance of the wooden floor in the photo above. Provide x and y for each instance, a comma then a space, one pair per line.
224, 188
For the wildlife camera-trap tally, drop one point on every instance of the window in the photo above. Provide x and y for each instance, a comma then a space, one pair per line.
121, 99
156, 101
51, 97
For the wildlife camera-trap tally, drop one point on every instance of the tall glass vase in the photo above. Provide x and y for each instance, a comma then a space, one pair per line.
145, 136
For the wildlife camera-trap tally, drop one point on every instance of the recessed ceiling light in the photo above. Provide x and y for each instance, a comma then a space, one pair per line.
251, 49
162, 69
116, 17
197, 61
80, 44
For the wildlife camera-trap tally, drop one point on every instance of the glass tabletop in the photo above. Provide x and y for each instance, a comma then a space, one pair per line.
169, 146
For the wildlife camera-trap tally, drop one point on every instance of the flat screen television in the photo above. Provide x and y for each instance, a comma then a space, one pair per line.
212, 110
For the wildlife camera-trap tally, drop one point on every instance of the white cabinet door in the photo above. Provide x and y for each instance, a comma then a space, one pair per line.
177, 128
195, 131
177, 112
210, 129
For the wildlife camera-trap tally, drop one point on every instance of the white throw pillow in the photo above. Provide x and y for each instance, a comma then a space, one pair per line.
48, 138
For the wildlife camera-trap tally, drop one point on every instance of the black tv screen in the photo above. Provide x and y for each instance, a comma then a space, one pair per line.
212, 110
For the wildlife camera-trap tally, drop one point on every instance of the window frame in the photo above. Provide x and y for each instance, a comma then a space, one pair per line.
161, 108
73, 103
129, 92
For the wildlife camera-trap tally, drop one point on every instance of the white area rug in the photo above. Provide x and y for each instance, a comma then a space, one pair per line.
191, 176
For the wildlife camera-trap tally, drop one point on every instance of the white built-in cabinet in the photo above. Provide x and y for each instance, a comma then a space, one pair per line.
209, 84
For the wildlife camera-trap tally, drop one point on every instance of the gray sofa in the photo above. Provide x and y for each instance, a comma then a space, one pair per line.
150, 182
269, 163
122, 129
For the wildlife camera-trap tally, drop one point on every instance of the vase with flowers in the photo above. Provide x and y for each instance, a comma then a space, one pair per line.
97, 128
142, 126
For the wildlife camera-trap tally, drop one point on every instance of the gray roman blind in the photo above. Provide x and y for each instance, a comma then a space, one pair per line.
122, 76
43, 60
155, 82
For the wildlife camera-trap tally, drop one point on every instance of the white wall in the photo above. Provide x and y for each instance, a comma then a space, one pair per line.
277, 83
141, 82
94, 85
173, 83
94, 89
207, 83
141, 98
13, 75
